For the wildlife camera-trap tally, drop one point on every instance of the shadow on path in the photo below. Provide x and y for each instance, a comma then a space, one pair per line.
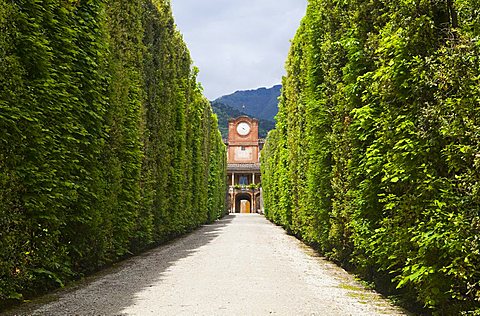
112, 290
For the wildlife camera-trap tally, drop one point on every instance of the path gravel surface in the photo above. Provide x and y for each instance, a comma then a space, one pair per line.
241, 265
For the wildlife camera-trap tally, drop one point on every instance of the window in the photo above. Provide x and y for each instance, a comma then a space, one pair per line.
243, 180
242, 148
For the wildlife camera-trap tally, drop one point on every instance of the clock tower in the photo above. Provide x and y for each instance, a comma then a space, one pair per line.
243, 140
243, 166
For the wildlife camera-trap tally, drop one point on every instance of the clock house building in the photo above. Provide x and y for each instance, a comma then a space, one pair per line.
243, 165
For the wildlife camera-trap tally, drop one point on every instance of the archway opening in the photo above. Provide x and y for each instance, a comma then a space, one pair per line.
243, 203
257, 203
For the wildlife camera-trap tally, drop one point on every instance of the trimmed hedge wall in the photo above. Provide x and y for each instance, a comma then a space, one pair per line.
107, 146
376, 155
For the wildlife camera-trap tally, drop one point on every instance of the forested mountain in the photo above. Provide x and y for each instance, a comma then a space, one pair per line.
107, 146
260, 103
225, 112
375, 158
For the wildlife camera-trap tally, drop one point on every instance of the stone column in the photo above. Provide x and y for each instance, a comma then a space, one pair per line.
252, 206
233, 178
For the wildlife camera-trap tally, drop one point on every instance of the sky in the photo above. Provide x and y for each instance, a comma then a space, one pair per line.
238, 44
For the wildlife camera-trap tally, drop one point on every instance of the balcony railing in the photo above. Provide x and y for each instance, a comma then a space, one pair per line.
244, 187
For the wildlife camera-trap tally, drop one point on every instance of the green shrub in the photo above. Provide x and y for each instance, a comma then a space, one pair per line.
107, 145
375, 155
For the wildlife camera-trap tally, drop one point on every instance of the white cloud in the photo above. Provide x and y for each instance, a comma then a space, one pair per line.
238, 44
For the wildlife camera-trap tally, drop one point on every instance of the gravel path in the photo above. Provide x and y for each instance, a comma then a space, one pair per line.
241, 265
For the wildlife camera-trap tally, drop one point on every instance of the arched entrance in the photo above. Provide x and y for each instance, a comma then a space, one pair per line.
243, 203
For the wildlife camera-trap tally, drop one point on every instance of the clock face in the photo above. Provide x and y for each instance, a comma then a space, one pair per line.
243, 128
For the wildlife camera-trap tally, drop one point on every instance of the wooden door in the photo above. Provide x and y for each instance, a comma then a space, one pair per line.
245, 206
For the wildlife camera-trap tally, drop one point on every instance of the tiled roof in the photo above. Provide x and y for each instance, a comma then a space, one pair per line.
243, 167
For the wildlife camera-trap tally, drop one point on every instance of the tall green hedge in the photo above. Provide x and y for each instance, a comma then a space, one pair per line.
376, 154
107, 145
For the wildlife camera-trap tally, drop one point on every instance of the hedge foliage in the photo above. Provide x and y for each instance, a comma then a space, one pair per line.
376, 154
107, 145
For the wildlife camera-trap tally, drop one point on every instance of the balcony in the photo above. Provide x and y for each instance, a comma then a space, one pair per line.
244, 187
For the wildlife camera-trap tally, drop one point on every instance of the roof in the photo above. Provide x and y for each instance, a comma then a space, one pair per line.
242, 117
261, 141
243, 167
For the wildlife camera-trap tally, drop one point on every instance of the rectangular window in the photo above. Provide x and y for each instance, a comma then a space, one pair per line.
243, 180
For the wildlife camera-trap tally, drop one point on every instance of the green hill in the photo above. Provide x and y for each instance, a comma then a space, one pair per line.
261, 103
225, 112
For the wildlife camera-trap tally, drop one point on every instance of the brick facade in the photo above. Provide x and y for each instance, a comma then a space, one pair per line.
243, 165
243, 148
